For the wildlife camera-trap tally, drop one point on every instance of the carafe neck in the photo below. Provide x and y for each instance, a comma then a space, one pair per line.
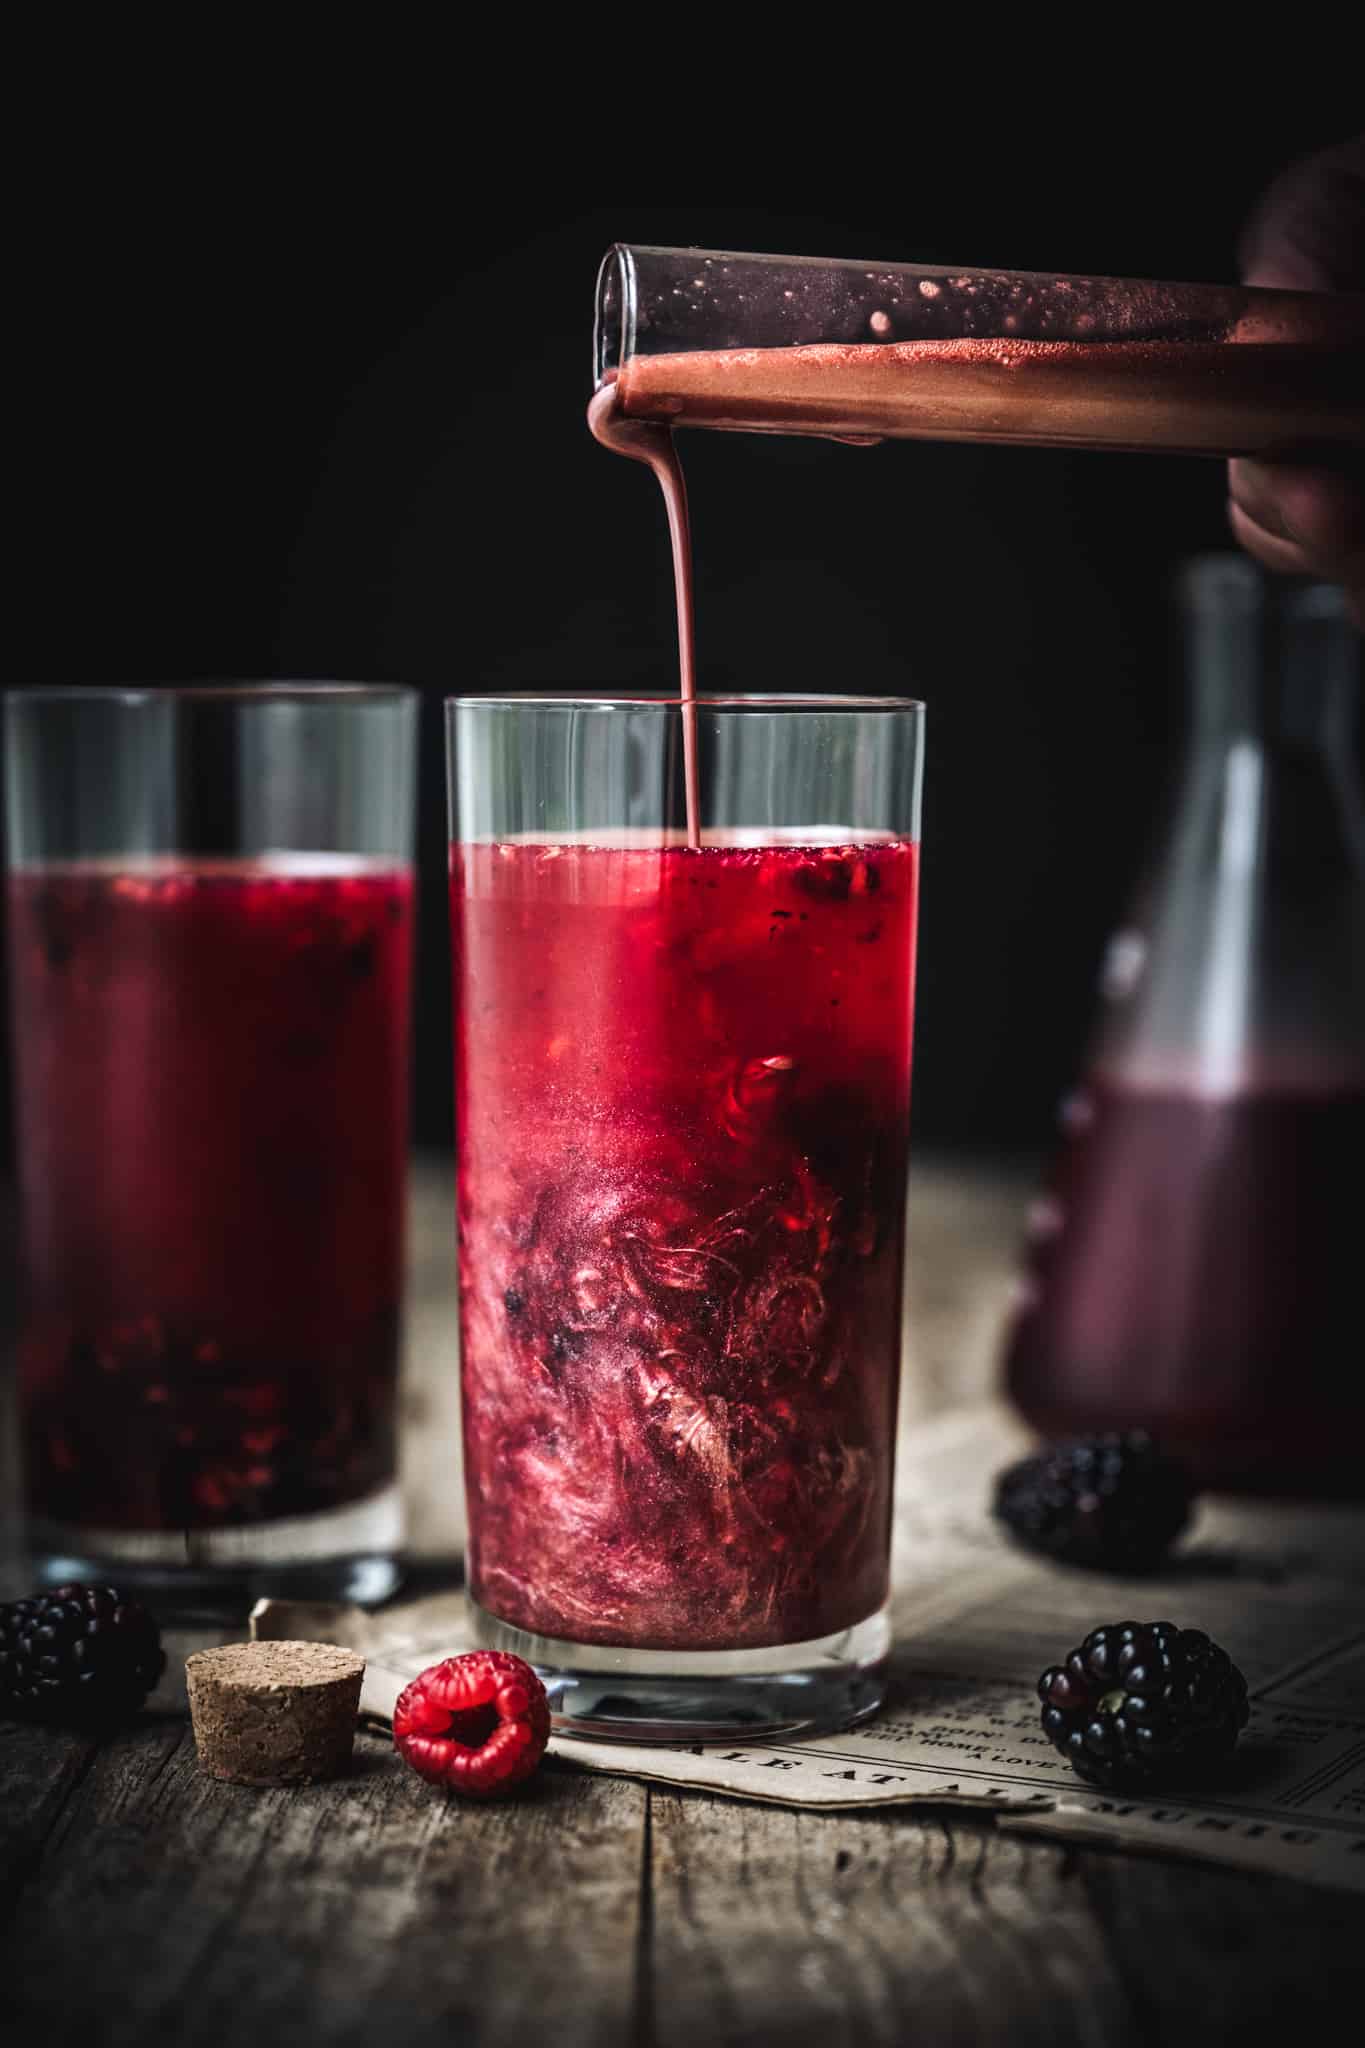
1244, 964
1276, 665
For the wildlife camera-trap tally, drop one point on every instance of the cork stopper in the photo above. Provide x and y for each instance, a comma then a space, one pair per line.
274, 1713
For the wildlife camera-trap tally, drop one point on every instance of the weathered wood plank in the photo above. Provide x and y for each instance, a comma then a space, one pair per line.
858, 1930
367, 1911
1226, 1955
39, 1771
851, 1931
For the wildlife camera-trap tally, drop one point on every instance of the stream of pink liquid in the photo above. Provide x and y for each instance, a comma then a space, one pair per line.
648, 442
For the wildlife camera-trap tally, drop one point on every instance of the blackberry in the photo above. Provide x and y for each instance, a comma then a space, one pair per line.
80, 1654
1111, 1503
1144, 1704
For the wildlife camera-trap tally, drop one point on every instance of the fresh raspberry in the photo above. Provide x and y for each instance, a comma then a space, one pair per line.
477, 1723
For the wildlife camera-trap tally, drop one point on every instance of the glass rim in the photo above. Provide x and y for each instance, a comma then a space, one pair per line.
241, 692
664, 700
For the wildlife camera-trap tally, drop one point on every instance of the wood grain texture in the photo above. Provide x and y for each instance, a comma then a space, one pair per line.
40, 1769
1227, 1955
170, 1908
596, 1911
851, 1932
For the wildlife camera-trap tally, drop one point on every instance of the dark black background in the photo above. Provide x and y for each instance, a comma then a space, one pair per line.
323, 417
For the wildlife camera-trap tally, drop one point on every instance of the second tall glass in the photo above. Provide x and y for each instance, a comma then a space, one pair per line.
210, 924
682, 1079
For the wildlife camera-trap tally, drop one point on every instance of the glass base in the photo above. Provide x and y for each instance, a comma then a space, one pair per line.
216, 1574
626, 1695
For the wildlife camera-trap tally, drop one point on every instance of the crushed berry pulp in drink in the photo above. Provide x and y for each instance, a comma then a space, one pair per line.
682, 1083
212, 1113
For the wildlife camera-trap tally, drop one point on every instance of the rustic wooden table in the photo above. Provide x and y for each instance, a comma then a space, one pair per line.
145, 1904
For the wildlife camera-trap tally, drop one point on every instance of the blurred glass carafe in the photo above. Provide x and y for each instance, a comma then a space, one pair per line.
1194, 1267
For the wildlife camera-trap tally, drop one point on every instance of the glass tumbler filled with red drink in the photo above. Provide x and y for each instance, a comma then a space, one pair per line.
682, 1078
210, 909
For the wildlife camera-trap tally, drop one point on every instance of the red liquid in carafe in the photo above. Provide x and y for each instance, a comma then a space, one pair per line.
1194, 1270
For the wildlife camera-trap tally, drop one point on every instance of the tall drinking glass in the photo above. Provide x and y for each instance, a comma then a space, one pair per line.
683, 1083
210, 909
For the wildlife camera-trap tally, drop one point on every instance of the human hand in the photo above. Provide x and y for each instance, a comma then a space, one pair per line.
1307, 234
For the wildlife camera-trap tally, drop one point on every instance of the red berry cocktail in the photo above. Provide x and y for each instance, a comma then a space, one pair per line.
682, 1079
211, 1055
